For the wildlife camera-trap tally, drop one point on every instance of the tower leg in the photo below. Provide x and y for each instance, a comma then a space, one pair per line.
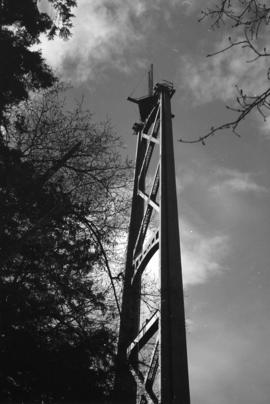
173, 352
125, 387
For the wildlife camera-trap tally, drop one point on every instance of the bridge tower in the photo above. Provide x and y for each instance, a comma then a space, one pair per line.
164, 378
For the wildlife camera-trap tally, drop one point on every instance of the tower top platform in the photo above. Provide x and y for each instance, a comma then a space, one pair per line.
146, 103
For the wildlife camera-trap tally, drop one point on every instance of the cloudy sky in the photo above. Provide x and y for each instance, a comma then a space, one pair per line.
224, 186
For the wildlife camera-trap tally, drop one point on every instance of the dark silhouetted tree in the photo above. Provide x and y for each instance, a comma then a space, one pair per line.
22, 68
62, 206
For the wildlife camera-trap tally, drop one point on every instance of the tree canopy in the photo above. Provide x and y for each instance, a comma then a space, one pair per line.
22, 68
61, 208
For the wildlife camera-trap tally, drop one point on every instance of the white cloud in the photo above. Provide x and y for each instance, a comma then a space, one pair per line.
216, 77
202, 256
228, 180
220, 189
103, 31
183, 178
266, 125
191, 6
107, 34
265, 128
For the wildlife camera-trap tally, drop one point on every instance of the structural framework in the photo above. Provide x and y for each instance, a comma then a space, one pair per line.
164, 378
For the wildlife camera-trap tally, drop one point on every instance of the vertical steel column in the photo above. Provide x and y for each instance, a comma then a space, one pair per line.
125, 389
133, 384
173, 352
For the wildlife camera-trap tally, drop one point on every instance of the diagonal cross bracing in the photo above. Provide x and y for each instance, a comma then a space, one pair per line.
150, 146
146, 383
141, 261
150, 204
146, 332
151, 374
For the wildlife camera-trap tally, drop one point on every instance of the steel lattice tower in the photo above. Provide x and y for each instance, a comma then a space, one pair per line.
132, 385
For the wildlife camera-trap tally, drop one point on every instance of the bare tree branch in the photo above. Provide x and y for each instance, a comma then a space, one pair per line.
249, 19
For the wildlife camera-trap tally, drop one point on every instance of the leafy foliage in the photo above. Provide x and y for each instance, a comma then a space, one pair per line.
61, 208
22, 68
51, 341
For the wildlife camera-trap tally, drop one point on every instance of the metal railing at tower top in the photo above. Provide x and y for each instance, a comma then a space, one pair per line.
134, 383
